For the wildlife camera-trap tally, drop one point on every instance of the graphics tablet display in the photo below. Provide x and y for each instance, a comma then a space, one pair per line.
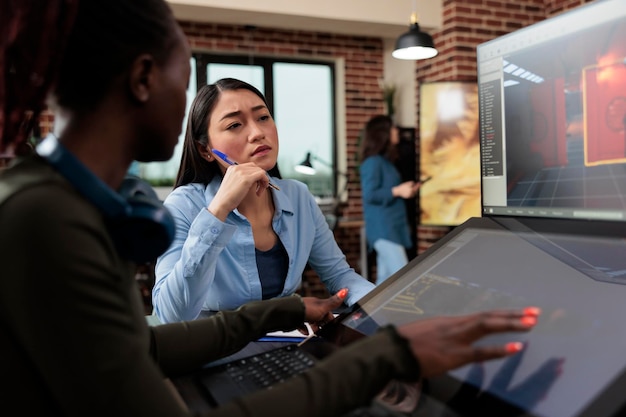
574, 355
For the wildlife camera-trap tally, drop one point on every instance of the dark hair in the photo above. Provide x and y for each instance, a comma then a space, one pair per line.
376, 138
106, 38
76, 48
193, 167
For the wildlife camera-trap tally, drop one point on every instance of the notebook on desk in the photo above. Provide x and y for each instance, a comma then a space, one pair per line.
552, 235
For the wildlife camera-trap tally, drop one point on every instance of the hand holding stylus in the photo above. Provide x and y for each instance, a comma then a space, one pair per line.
236, 185
225, 158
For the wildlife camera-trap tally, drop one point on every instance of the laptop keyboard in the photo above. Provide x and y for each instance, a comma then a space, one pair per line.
226, 382
269, 368
256, 372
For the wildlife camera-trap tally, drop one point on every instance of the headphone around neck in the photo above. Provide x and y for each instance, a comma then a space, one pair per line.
140, 226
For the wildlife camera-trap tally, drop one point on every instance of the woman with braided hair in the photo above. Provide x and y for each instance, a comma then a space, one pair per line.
73, 335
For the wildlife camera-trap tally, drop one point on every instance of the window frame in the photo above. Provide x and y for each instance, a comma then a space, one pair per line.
203, 59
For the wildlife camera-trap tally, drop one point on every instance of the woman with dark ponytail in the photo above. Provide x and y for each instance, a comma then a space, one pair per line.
386, 223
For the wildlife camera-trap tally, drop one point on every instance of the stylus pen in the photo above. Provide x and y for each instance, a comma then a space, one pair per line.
224, 158
281, 339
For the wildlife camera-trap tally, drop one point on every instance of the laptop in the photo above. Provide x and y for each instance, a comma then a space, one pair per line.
552, 234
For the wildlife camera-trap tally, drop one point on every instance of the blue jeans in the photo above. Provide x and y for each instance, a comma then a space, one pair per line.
390, 257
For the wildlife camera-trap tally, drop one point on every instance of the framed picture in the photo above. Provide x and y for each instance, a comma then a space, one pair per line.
449, 153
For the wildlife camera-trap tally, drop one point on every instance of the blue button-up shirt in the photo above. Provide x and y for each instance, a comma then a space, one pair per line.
211, 265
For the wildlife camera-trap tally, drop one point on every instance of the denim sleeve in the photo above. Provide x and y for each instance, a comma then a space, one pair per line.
373, 187
185, 271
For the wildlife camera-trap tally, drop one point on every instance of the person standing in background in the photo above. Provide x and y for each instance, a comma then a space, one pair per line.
384, 211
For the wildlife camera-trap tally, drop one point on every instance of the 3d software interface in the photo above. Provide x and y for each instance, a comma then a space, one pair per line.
553, 118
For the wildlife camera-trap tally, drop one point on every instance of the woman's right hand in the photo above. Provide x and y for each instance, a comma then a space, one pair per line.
441, 344
238, 181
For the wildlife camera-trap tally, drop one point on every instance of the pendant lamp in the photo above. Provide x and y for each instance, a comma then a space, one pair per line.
414, 44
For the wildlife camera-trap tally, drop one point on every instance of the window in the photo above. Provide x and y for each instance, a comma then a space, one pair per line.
302, 100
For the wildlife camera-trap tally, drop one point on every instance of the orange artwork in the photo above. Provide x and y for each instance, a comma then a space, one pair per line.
449, 153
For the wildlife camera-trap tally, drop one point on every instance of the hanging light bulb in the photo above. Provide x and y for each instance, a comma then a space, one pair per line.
414, 44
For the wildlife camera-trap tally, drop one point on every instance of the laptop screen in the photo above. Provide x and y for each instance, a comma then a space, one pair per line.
552, 100
576, 352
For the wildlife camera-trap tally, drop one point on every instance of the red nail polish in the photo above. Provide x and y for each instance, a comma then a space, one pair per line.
513, 347
528, 321
532, 311
342, 293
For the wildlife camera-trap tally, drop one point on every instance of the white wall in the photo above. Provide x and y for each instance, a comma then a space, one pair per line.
378, 18
401, 73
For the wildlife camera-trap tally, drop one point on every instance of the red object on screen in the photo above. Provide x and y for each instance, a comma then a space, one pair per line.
604, 91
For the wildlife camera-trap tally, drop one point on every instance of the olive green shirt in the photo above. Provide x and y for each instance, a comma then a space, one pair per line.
74, 340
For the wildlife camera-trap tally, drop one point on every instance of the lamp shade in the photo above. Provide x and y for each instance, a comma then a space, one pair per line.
414, 44
306, 167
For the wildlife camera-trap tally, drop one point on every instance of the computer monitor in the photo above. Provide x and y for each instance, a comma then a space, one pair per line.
552, 99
